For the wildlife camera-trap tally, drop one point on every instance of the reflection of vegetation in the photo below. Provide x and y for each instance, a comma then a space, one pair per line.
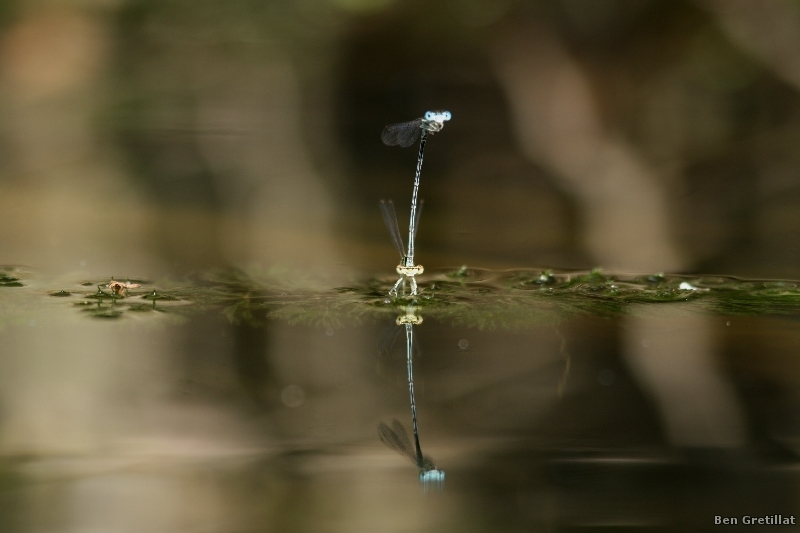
465, 297
9, 277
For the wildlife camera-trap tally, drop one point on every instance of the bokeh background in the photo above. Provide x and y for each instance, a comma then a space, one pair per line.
153, 139
144, 138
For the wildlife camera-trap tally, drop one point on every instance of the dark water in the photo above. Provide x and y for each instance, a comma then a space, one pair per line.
242, 401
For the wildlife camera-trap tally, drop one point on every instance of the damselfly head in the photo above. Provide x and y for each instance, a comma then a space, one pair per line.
438, 116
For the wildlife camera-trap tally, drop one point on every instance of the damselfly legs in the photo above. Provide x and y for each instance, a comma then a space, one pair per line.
405, 134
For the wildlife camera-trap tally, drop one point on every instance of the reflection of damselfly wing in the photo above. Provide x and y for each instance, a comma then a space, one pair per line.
397, 439
388, 341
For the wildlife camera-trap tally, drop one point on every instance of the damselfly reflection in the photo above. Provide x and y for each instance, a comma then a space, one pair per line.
396, 437
405, 134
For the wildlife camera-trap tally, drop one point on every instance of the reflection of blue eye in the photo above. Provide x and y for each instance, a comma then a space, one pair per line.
428, 115
447, 115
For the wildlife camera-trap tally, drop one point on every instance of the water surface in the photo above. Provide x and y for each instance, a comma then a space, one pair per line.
246, 401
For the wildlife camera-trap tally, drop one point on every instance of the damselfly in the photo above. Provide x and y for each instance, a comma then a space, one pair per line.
405, 134
396, 437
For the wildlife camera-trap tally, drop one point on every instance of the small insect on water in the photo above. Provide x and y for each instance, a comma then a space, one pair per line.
405, 134
118, 288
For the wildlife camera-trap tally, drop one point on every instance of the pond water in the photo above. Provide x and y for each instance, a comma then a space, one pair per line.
547, 401
174, 141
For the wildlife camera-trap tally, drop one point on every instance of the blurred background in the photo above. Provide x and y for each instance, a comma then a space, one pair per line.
156, 138
143, 138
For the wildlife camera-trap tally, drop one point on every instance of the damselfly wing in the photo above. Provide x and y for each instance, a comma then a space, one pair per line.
403, 134
390, 219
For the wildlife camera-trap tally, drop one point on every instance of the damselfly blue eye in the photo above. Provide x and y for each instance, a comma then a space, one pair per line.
438, 116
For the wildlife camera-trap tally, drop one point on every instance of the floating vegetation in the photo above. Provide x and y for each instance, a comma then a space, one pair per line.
61, 294
10, 277
466, 297
155, 295
102, 311
114, 299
